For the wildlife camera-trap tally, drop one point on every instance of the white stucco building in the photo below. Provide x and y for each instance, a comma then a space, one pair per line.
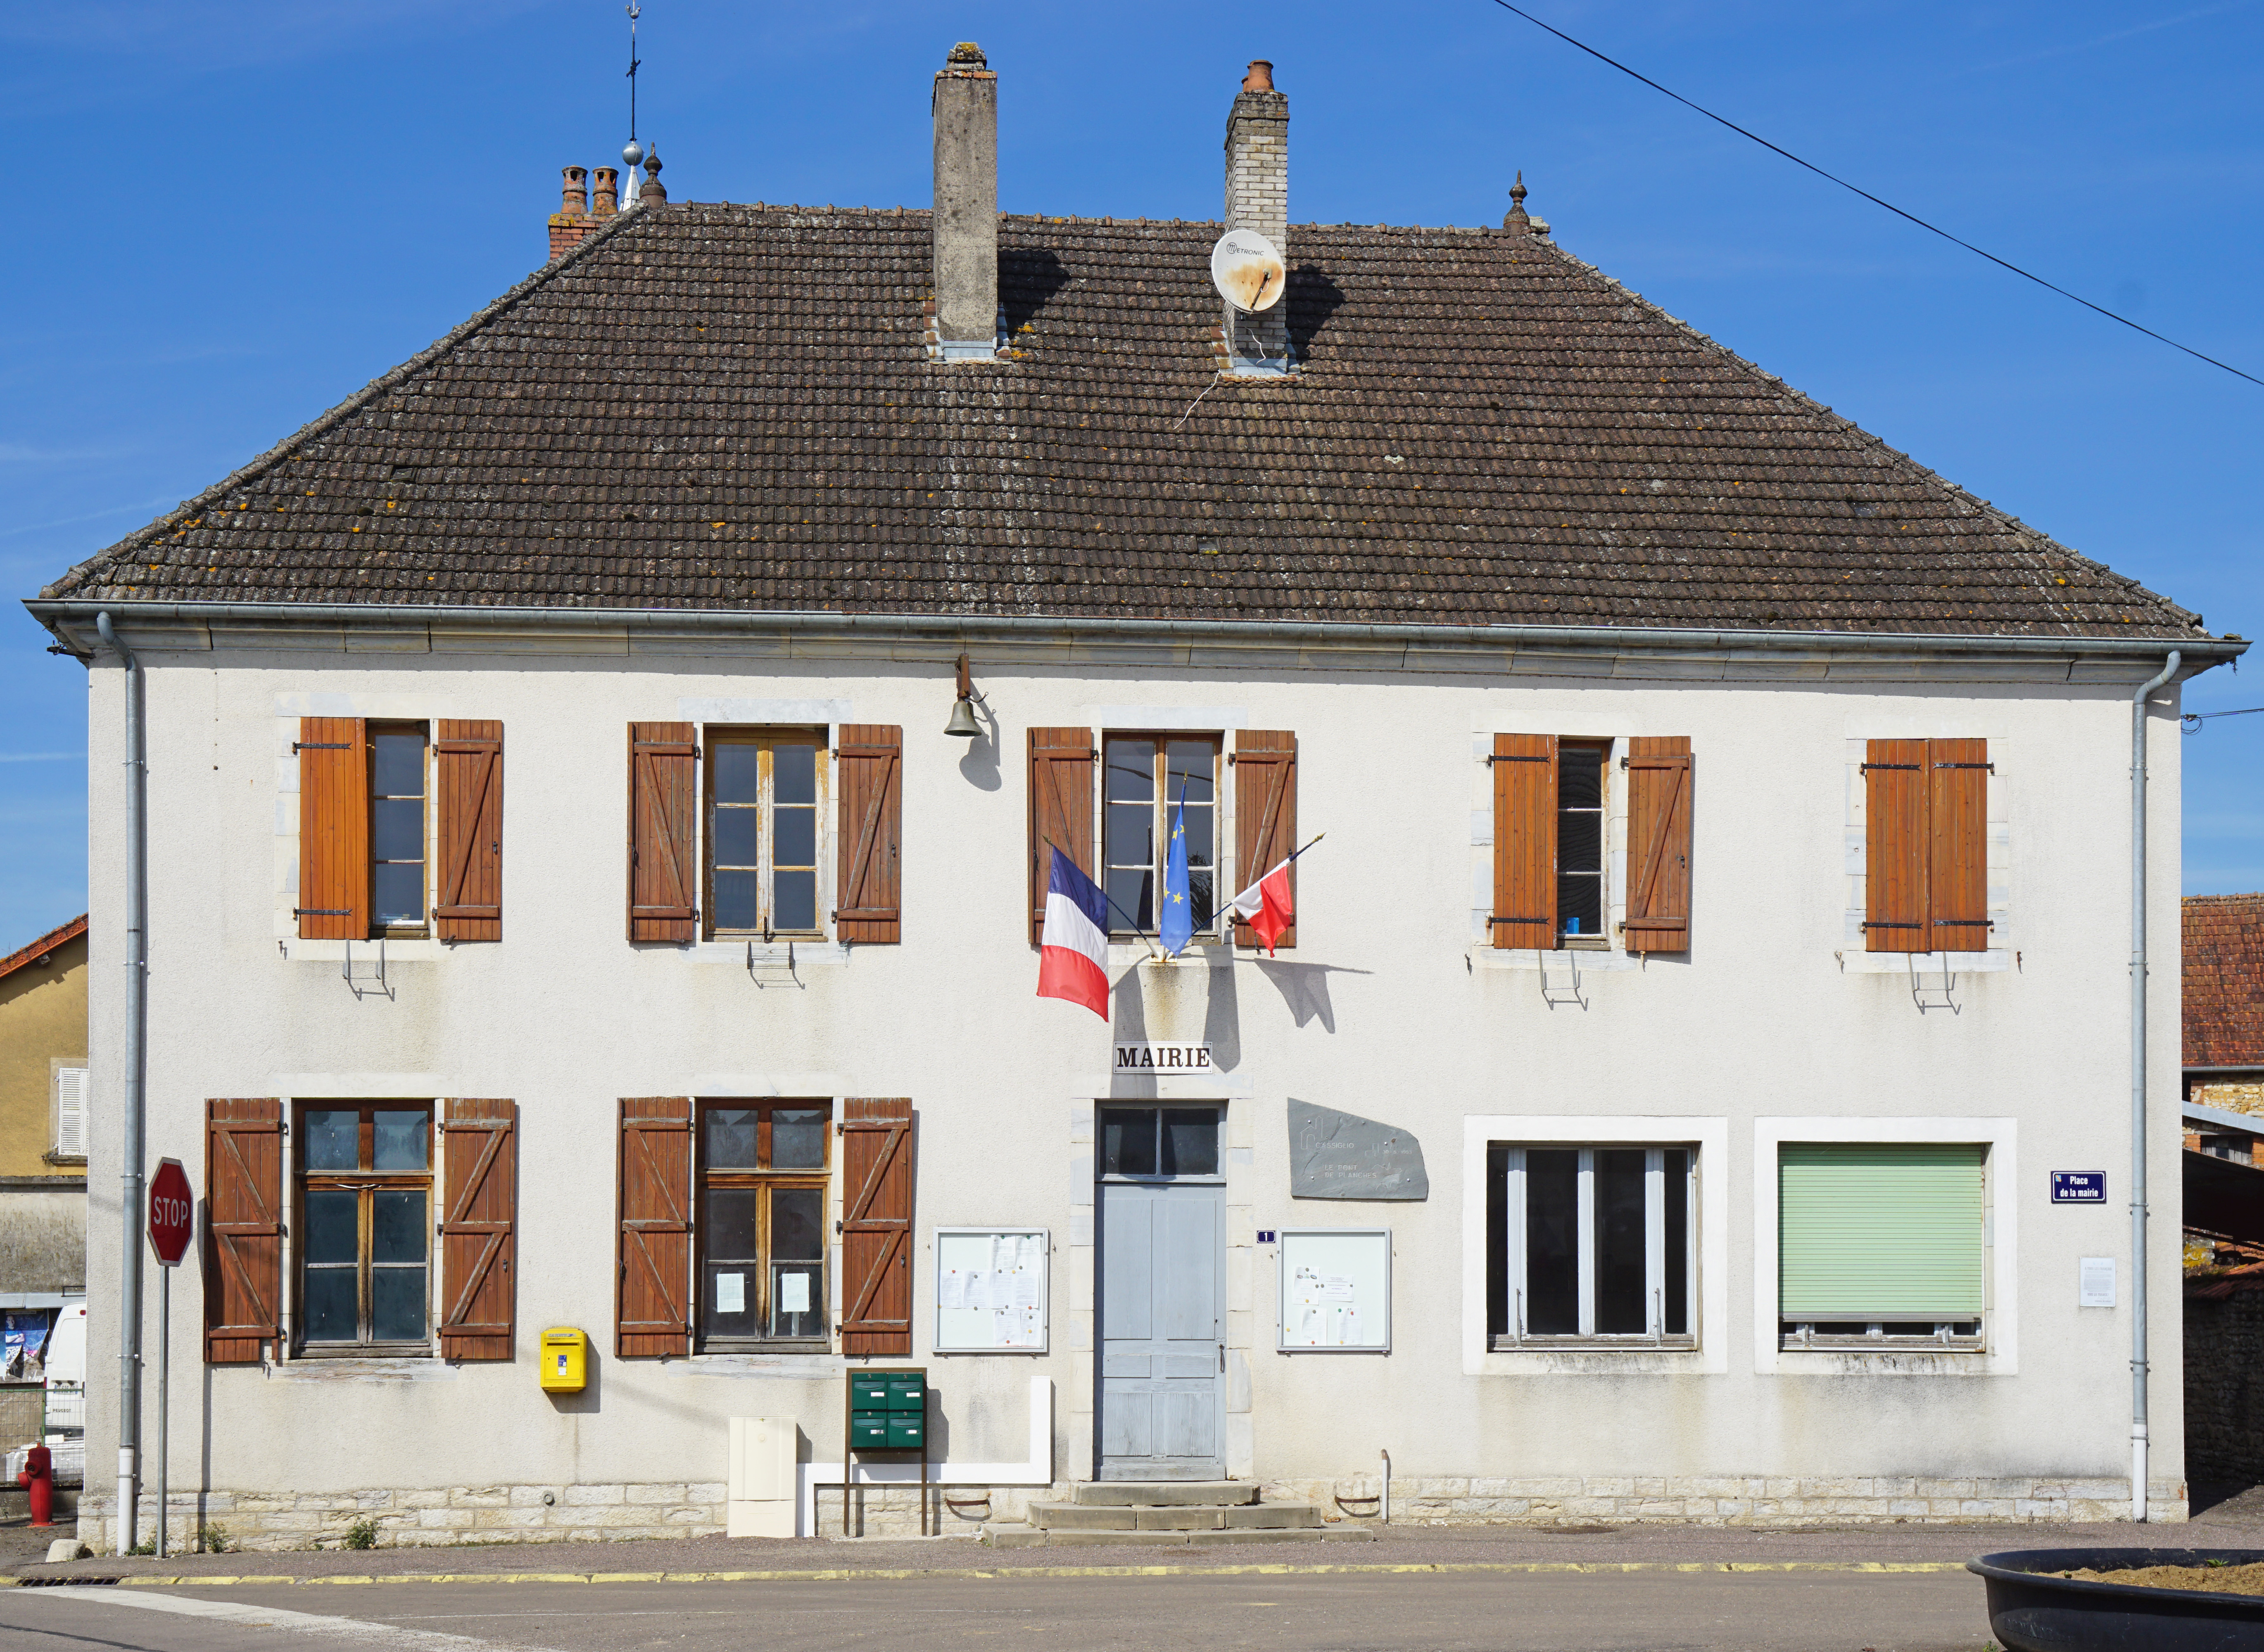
566, 909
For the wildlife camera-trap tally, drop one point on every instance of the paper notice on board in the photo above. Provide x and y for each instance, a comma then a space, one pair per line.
1032, 1254
730, 1293
1335, 1287
1002, 1247
977, 1290
951, 1289
1350, 1336
1308, 1326
793, 1293
1025, 1283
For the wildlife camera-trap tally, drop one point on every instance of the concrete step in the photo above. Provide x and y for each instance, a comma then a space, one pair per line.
1078, 1517
1010, 1536
1164, 1493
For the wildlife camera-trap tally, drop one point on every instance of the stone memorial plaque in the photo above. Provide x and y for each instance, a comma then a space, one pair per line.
1341, 1155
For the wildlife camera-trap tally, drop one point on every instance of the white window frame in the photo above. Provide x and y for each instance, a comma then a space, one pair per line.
1708, 1136
1654, 1225
1999, 1237
57, 1066
826, 739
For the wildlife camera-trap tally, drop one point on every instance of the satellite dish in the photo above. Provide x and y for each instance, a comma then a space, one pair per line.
1247, 270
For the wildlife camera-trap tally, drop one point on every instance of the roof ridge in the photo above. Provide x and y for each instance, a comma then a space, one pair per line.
323, 423
2004, 518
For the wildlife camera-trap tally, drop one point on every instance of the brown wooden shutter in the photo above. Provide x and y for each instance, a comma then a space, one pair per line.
1957, 853
479, 1246
876, 1227
333, 828
1525, 840
1896, 842
664, 797
1659, 777
1265, 816
1061, 810
470, 760
243, 1230
653, 1304
868, 779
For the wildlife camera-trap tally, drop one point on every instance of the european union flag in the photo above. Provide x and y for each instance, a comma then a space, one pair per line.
1177, 926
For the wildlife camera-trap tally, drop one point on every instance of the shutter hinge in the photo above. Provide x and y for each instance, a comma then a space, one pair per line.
1867, 767
1989, 766
322, 911
1535, 756
1891, 923
1964, 923
297, 746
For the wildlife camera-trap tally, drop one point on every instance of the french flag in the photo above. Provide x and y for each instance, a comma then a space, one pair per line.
1266, 906
1073, 948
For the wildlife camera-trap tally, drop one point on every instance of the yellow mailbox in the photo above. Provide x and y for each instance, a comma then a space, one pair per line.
565, 1360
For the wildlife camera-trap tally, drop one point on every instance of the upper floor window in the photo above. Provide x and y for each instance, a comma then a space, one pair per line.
68, 1136
397, 827
766, 802
1925, 816
364, 1224
1145, 779
1556, 820
400, 830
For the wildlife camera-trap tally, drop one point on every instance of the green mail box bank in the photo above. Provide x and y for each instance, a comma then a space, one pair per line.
888, 1411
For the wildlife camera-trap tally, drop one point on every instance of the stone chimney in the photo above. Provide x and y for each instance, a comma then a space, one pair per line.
966, 218
572, 220
1257, 197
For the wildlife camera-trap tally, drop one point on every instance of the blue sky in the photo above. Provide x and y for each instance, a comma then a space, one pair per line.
231, 216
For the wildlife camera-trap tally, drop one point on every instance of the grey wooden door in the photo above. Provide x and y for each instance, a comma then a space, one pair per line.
1162, 1322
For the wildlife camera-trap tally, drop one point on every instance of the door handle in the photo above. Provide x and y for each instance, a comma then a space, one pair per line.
1221, 1360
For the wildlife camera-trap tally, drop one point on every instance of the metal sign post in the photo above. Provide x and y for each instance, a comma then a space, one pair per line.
171, 1202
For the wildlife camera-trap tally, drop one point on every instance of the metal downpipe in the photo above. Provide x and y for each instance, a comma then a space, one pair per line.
2138, 1082
131, 1149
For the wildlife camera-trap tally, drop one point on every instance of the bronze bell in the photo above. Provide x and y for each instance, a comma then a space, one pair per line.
962, 722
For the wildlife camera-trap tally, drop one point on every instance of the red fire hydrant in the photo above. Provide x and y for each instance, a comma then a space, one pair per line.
39, 1474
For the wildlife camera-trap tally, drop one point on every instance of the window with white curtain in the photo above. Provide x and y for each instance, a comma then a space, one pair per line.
70, 1135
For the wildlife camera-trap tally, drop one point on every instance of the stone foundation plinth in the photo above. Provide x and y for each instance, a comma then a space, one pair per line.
537, 1514
1777, 1500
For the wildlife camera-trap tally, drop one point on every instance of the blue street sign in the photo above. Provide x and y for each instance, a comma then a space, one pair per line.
2079, 1187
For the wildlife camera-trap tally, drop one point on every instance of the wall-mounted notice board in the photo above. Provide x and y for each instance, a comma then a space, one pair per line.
990, 1293
1336, 1290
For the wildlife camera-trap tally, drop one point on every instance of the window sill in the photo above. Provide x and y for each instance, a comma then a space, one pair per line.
363, 1367
1599, 959
1591, 1345
813, 1363
1882, 1345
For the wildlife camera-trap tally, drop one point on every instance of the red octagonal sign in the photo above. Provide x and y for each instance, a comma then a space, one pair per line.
171, 1204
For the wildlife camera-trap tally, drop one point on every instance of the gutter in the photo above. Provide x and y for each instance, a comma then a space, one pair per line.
56, 613
2138, 1081
137, 1010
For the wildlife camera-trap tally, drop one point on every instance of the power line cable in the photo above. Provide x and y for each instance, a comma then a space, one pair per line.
1873, 200
2194, 720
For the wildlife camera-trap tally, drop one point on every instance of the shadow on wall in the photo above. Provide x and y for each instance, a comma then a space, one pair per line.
1304, 988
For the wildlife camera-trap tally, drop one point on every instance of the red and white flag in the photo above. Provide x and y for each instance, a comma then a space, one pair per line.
1266, 906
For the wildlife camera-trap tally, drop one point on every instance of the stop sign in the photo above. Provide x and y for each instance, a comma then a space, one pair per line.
171, 1206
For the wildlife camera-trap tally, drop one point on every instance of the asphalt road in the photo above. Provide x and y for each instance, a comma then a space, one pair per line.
1646, 1611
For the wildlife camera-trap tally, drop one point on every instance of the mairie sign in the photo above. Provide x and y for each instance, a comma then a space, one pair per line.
1152, 1059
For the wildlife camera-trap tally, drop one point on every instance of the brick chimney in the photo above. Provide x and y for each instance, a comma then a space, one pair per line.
1257, 197
608, 193
966, 217
572, 220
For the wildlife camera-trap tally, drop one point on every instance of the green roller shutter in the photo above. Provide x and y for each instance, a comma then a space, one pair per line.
1879, 1230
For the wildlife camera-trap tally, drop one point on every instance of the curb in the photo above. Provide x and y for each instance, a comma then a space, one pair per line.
1002, 1575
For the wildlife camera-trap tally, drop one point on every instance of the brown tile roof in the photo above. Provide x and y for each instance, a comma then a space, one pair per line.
731, 407
2224, 981
42, 946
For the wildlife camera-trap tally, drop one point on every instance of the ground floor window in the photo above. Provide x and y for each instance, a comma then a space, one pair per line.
763, 1183
1882, 1243
364, 1245
1592, 1245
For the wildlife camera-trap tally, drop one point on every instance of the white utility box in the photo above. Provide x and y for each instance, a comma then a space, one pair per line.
758, 1482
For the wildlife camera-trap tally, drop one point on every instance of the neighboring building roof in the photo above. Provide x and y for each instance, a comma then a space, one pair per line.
732, 407
42, 946
2224, 981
